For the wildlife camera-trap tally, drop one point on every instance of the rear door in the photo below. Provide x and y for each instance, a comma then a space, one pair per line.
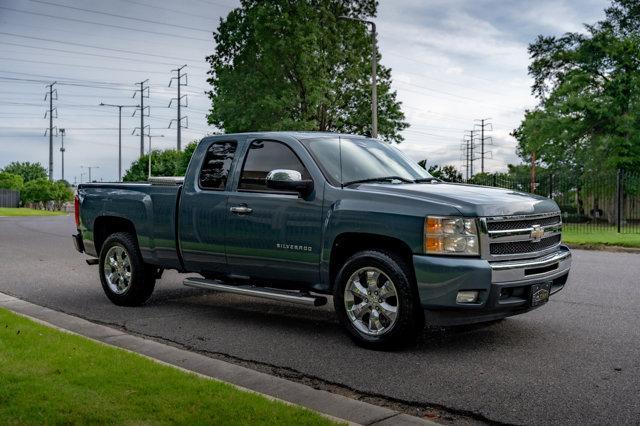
203, 209
273, 235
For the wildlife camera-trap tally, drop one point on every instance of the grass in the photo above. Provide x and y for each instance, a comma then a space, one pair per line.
572, 234
23, 211
51, 377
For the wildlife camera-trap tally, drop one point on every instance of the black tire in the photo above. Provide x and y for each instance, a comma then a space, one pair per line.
143, 277
410, 318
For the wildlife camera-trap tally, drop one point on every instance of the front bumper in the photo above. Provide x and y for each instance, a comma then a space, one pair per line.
503, 286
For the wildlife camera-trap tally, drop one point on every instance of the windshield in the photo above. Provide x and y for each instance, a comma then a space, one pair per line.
362, 159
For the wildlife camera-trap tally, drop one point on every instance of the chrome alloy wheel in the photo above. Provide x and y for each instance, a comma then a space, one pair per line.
117, 269
371, 301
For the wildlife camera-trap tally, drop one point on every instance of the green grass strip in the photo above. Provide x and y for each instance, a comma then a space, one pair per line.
575, 234
52, 377
23, 211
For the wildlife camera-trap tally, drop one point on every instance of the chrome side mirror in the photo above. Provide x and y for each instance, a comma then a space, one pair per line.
289, 180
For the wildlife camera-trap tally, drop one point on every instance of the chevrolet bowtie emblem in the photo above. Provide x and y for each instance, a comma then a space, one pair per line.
537, 233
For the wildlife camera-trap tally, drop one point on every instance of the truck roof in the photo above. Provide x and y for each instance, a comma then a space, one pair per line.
294, 134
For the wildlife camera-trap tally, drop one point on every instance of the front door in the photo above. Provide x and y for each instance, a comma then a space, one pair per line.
273, 235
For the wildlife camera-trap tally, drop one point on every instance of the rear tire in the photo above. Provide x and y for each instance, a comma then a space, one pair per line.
376, 302
125, 278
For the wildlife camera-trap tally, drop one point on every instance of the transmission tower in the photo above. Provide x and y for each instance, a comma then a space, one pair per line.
483, 126
144, 111
52, 95
468, 152
179, 104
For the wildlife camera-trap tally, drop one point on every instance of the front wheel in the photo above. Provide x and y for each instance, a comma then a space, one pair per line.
375, 301
125, 278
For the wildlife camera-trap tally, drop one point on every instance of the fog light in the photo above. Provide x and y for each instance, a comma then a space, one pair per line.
467, 297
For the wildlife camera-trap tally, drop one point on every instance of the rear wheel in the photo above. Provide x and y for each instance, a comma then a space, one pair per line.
125, 278
375, 301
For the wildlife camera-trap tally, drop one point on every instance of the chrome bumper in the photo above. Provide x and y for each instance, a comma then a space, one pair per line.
540, 269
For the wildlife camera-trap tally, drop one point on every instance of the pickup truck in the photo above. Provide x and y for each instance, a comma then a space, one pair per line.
299, 216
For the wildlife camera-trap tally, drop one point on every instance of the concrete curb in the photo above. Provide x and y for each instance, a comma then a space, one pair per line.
334, 406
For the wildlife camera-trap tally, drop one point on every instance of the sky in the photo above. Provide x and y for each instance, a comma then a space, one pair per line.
453, 62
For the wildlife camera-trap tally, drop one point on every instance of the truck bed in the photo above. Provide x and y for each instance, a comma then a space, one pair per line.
150, 207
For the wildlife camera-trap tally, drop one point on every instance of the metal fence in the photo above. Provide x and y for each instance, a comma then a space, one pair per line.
608, 201
9, 198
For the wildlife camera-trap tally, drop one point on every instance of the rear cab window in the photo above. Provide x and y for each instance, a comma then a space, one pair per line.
216, 165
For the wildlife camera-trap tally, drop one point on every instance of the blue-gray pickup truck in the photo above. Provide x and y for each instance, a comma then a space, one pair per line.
298, 216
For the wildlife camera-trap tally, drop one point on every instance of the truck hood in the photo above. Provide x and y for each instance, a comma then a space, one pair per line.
470, 200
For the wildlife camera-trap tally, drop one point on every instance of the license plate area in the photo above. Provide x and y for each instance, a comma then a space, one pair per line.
539, 293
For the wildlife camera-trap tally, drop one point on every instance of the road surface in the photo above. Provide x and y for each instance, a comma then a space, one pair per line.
574, 361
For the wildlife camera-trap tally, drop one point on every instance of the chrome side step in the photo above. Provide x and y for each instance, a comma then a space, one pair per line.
263, 292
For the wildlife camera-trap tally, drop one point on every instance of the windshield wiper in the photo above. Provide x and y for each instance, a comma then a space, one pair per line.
378, 179
429, 179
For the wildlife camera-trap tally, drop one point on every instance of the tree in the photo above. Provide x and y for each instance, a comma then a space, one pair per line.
163, 163
28, 171
588, 86
37, 191
11, 181
447, 173
295, 65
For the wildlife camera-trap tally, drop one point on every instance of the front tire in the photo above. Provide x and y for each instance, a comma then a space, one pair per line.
376, 302
125, 278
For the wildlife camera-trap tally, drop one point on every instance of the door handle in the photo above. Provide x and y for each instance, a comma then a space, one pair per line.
241, 210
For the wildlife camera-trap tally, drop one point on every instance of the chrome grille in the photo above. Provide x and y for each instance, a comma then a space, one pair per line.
523, 223
519, 237
519, 247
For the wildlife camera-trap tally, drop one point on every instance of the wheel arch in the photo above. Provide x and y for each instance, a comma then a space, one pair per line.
347, 244
104, 226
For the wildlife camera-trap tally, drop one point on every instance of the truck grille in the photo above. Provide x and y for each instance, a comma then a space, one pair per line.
517, 237
519, 247
524, 223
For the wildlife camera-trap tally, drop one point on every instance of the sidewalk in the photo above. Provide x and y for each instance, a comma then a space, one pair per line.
336, 406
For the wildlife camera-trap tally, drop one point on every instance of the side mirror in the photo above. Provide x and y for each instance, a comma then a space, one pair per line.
289, 180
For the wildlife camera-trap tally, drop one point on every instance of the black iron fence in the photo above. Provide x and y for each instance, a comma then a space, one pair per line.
608, 201
9, 198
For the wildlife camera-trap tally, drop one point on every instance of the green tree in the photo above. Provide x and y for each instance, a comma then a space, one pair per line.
38, 192
11, 181
186, 157
588, 86
28, 171
295, 65
163, 163
446, 173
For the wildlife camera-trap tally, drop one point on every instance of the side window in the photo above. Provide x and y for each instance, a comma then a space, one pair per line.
216, 165
264, 156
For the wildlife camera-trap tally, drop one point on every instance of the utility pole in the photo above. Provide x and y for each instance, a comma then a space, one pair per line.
50, 95
150, 152
178, 100
119, 133
89, 168
483, 126
468, 155
62, 150
144, 93
374, 73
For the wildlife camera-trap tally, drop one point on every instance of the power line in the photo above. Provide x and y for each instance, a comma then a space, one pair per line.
121, 27
120, 58
98, 47
97, 12
80, 66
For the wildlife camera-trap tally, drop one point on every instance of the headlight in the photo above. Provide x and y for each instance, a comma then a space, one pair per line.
450, 235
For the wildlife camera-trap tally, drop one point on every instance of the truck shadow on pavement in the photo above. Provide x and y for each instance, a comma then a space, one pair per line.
211, 311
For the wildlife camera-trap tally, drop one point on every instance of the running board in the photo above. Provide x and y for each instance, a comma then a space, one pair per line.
263, 292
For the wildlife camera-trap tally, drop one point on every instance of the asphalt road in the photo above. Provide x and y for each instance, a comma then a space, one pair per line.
574, 361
